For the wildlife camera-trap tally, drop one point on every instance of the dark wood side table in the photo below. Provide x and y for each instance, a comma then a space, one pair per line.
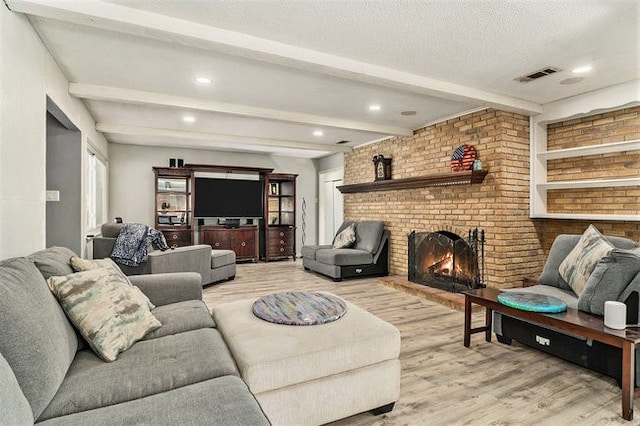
573, 321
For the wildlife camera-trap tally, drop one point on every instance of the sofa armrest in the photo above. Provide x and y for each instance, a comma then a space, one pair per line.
103, 247
182, 259
164, 289
384, 241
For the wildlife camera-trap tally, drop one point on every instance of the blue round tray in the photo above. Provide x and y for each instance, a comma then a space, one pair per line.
532, 302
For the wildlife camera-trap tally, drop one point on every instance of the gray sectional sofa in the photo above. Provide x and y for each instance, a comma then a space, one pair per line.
181, 373
368, 256
615, 277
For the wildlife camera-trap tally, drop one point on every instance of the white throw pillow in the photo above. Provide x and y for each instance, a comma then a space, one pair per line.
576, 268
346, 237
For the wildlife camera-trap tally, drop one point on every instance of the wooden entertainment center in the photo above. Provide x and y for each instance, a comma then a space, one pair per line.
272, 238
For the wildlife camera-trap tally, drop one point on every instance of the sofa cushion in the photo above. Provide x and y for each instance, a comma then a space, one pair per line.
609, 279
149, 367
110, 313
53, 261
344, 257
180, 317
576, 268
368, 235
222, 258
36, 338
309, 252
14, 406
345, 238
221, 401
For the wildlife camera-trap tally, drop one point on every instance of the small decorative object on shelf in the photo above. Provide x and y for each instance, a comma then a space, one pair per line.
463, 158
382, 167
477, 165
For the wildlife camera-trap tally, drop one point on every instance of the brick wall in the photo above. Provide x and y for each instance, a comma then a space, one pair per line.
516, 246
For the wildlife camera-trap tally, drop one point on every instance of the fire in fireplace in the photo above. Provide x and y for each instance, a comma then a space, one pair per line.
447, 261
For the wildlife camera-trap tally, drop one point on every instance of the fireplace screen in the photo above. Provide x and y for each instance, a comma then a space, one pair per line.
447, 261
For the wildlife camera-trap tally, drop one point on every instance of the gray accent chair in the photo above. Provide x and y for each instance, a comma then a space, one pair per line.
212, 265
368, 256
615, 283
182, 373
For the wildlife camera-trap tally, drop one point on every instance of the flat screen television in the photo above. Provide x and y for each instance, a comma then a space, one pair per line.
228, 198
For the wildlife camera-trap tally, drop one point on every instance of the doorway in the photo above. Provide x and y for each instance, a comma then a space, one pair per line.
330, 204
63, 181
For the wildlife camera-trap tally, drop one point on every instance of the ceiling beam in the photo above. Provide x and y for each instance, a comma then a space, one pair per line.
123, 129
126, 20
116, 94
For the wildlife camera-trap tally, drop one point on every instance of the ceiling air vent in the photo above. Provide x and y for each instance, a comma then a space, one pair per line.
342, 142
537, 74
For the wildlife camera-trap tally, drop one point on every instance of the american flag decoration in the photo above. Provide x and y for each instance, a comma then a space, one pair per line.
463, 158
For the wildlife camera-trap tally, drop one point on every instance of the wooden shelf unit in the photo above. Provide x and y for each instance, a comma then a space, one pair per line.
173, 200
280, 216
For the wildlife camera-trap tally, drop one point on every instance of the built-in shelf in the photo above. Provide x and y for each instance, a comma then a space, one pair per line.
604, 148
443, 179
571, 216
595, 183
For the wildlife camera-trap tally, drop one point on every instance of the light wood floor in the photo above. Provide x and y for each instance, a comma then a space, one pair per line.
444, 383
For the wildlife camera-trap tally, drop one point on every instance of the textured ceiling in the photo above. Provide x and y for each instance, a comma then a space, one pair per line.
283, 69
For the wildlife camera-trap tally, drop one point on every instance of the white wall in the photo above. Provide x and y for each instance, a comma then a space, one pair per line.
330, 162
27, 75
131, 180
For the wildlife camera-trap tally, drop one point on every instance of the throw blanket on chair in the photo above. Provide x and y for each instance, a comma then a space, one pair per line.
131, 246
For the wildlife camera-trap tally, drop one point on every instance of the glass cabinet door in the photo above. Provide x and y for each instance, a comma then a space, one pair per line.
173, 200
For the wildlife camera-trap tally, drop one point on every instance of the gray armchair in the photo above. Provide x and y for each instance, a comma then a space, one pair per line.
212, 265
368, 256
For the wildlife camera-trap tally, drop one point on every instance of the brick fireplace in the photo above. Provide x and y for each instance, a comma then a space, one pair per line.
516, 245
445, 260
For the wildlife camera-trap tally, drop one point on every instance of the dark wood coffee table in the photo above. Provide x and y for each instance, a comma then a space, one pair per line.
572, 321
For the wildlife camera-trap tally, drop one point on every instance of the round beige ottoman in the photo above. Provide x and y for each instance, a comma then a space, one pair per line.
310, 375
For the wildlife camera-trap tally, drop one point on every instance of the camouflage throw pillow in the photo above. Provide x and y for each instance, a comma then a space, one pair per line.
105, 309
80, 265
576, 268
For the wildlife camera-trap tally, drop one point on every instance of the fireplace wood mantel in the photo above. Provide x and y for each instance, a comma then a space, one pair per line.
443, 179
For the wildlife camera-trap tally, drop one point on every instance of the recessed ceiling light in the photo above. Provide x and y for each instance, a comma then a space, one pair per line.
374, 107
581, 70
188, 119
203, 80
406, 113
572, 80
318, 133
